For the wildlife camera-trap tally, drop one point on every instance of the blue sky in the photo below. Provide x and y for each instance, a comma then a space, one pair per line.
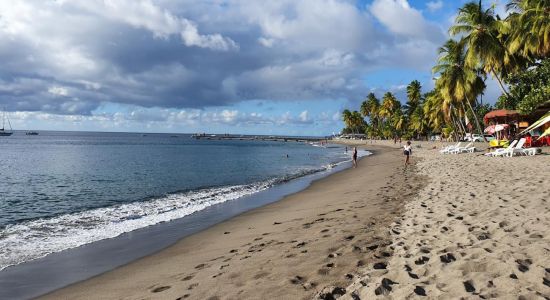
225, 66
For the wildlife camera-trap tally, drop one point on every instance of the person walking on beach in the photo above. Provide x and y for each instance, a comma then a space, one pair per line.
407, 152
354, 157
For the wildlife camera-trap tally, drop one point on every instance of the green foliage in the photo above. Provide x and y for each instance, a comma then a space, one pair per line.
528, 89
528, 26
354, 121
414, 94
482, 110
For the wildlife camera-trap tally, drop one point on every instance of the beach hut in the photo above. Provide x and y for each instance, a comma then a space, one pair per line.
515, 123
503, 124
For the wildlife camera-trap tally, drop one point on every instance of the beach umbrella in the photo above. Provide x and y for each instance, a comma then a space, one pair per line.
495, 128
490, 129
500, 127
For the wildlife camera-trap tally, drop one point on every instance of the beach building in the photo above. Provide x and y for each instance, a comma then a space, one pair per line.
509, 123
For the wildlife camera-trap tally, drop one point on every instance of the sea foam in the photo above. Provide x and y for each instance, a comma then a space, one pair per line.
37, 238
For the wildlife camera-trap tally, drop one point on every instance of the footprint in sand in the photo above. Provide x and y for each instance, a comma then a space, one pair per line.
380, 266
447, 258
523, 264
323, 271
469, 286
297, 280
160, 289
188, 277
261, 275
420, 291
422, 260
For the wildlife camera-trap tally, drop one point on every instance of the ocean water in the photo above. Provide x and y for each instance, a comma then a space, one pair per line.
61, 190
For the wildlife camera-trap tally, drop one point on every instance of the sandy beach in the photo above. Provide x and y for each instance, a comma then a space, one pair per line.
449, 226
478, 229
315, 240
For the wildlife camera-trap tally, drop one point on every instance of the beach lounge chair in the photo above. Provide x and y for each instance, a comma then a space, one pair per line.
510, 151
523, 151
531, 151
467, 148
501, 151
518, 149
449, 148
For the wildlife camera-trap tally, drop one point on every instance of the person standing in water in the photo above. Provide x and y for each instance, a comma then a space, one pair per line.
407, 152
354, 157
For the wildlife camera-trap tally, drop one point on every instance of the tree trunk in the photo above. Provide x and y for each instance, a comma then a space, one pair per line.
455, 125
458, 123
476, 119
500, 83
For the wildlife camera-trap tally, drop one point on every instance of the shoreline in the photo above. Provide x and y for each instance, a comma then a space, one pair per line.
60, 269
283, 238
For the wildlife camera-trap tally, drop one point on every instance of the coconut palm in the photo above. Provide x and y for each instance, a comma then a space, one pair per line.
414, 94
389, 105
480, 31
417, 122
369, 108
398, 121
347, 118
529, 26
357, 120
433, 111
459, 85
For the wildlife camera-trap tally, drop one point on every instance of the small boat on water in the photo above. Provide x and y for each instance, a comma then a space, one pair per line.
3, 131
31, 133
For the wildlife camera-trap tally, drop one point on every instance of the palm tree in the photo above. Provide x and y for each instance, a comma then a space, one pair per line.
458, 83
389, 105
529, 26
417, 122
357, 120
480, 31
433, 111
347, 118
370, 108
414, 94
399, 120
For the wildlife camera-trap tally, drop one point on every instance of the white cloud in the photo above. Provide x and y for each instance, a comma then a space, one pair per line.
400, 18
434, 5
308, 25
145, 14
266, 42
303, 117
58, 91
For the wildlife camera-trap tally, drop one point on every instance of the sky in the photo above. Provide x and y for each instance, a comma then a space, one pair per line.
216, 66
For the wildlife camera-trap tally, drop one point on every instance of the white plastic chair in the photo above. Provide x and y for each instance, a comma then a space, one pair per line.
501, 151
511, 150
449, 148
467, 148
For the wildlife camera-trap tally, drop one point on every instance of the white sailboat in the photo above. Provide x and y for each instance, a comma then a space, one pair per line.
3, 131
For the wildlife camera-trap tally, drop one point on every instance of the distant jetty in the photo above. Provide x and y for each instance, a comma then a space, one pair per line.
272, 138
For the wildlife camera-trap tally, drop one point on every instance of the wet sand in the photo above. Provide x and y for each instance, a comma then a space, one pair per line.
318, 241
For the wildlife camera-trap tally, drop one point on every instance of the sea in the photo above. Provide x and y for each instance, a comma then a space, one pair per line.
62, 190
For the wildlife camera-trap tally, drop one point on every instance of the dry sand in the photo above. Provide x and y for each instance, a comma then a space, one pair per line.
479, 229
313, 241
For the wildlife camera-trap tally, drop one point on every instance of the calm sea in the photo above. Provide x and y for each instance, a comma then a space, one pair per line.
60, 190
